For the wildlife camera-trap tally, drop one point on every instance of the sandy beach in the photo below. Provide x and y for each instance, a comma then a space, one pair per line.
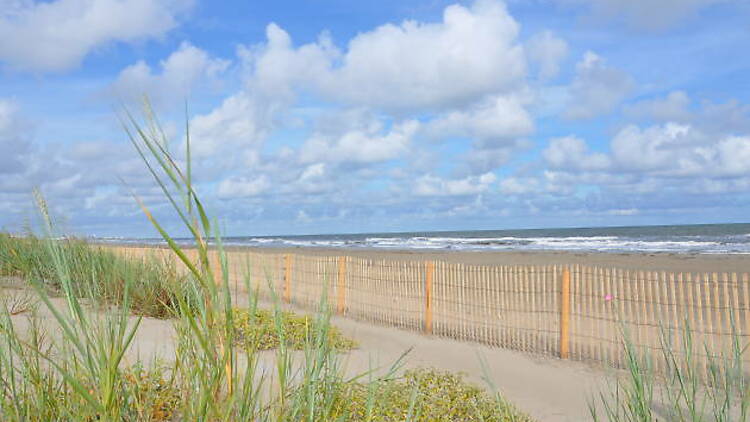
672, 262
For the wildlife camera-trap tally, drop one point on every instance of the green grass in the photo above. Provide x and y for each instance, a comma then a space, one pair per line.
96, 273
685, 392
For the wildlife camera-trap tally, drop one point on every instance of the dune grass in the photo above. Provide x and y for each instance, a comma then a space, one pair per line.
686, 391
96, 273
76, 370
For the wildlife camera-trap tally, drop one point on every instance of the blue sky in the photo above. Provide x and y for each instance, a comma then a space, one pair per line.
339, 116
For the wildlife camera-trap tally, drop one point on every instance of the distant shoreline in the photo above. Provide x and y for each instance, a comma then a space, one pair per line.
646, 261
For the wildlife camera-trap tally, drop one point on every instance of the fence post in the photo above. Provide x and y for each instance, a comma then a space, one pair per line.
287, 278
565, 314
341, 287
429, 273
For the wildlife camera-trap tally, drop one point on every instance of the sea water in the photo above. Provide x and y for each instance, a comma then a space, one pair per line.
703, 239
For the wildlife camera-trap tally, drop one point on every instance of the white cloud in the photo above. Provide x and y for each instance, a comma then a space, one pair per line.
597, 88
275, 68
312, 179
429, 185
484, 159
241, 122
547, 51
669, 156
673, 107
361, 145
473, 52
497, 120
179, 73
57, 35
652, 149
572, 153
15, 142
519, 185
463, 76
681, 150
240, 187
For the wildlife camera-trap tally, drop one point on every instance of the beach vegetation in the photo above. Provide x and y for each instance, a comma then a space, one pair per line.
96, 273
685, 391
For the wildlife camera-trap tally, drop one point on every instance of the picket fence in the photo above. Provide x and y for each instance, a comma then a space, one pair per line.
572, 312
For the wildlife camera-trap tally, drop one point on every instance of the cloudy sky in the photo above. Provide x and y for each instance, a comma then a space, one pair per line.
338, 116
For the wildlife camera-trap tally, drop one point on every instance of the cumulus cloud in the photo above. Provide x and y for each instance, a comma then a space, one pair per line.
240, 123
312, 179
518, 185
240, 187
547, 51
730, 117
462, 77
57, 35
178, 74
571, 152
680, 150
647, 159
360, 145
596, 89
275, 68
473, 52
485, 159
497, 120
430, 185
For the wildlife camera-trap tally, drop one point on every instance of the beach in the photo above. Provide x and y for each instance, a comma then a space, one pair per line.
671, 262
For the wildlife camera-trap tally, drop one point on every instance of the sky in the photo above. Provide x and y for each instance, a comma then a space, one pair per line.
333, 116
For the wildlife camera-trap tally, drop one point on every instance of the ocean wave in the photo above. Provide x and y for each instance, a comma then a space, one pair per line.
709, 244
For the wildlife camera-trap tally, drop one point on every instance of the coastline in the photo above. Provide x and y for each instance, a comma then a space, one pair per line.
647, 261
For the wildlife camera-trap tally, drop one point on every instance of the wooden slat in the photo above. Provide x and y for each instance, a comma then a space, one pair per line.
565, 314
714, 312
430, 271
341, 287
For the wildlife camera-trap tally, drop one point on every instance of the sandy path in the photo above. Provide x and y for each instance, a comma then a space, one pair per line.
548, 389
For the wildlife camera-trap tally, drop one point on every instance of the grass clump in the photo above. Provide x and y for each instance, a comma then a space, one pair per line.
154, 396
686, 391
424, 394
257, 329
96, 273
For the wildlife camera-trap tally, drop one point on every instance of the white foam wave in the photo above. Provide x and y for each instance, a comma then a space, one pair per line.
684, 244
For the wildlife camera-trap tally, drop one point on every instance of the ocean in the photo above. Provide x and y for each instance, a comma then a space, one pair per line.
702, 239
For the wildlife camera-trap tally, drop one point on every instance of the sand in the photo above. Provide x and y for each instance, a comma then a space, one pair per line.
687, 262
652, 261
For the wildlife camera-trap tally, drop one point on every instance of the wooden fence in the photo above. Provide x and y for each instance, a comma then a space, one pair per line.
573, 312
